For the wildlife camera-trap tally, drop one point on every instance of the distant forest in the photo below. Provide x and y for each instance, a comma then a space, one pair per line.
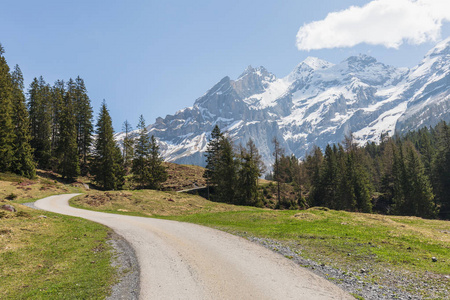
53, 129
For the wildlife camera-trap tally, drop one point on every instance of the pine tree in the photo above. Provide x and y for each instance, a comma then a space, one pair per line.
362, 188
140, 164
420, 195
278, 152
107, 166
226, 172
441, 170
83, 117
413, 194
56, 107
346, 189
330, 178
23, 163
212, 158
6, 122
67, 147
127, 146
157, 170
251, 168
313, 165
400, 182
39, 107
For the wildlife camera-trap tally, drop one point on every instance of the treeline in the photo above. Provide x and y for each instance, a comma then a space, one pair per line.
54, 130
407, 175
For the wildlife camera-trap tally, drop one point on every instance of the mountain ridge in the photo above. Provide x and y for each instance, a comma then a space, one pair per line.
317, 103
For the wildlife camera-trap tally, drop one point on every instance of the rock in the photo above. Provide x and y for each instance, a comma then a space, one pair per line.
363, 271
9, 208
434, 259
43, 216
86, 186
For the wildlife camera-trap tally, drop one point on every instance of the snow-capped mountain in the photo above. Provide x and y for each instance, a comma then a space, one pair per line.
317, 103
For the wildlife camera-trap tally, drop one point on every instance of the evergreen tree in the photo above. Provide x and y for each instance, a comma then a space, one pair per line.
361, 186
420, 195
226, 172
140, 169
23, 163
6, 122
441, 170
57, 105
278, 152
346, 189
330, 178
157, 170
251, 168
83, 118
39, 107
67, 146
384, 203
313, 166
212, 158
412, 190
127, 146
107, 167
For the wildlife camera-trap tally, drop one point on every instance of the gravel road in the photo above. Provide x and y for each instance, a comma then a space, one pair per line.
186, 261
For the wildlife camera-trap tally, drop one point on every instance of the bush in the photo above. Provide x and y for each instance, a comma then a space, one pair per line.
11, 197
23, 214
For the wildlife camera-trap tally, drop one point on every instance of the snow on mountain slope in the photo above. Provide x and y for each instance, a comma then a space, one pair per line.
317, 103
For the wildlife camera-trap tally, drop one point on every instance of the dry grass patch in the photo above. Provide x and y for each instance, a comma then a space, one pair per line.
151, 203
19, 189
183, 177
307, 216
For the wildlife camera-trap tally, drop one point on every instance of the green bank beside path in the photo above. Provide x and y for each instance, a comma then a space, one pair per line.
50, 256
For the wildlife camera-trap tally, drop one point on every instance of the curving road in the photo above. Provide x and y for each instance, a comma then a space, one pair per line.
186, 261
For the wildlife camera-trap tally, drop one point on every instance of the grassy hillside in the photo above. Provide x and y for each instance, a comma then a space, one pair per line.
183, 177
20, 189
385, 247
49, 256
150, 203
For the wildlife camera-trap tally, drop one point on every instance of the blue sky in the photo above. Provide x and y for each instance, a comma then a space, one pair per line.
156, 57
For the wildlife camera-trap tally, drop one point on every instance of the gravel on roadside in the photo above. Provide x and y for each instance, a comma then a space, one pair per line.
125, 260
348, 281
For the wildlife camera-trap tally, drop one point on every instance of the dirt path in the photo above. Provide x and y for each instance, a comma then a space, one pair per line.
186, 261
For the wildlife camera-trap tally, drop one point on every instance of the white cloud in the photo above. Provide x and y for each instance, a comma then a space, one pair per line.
380, 22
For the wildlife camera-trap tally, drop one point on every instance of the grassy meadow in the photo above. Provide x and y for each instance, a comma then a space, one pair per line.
50, 256
386, 247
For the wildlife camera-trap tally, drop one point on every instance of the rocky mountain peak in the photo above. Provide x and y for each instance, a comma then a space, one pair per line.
316, 63
252, 80
360, 61
442, 48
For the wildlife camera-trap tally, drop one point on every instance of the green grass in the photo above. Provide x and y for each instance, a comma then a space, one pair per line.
51, 257
345, 238
387, 247
56, 257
